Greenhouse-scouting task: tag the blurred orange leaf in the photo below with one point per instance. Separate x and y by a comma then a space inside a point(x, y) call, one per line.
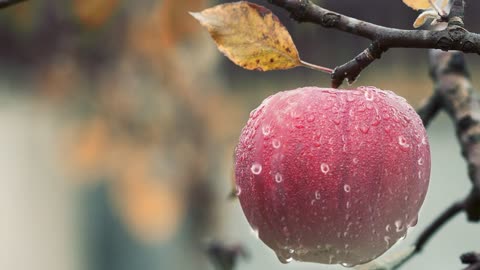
point(250, 35)
point(91, 146)
point(152, 208)
point(94, 13)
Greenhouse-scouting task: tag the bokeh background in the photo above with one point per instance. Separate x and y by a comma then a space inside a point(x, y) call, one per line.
point(118, 121)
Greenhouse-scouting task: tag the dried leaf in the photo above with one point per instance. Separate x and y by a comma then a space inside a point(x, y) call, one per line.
point(424, 16)
point(425, 4)
point(417, 4)
point(250, 35)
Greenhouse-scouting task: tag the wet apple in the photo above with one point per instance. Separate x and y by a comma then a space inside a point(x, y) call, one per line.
point(332, 176)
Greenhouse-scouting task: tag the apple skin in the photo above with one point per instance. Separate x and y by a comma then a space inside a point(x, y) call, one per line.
point(332, 176)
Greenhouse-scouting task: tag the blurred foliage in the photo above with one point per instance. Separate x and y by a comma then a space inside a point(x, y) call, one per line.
point(136, 84)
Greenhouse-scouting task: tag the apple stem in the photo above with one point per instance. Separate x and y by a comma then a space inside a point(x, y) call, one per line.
point(315, 67)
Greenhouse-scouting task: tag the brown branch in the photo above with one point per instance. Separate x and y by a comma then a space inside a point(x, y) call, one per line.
point(7, 3)
point(438, 223)
point(458, 98)
point(454, 37)
point(352, 69)
point(475, 266)
point(225, 257)
point(433, 228)
point(430, 109)
point(471, 258)
point(455, 94)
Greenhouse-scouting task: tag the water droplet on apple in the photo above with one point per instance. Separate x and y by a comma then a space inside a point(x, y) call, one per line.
point(330, 259)
point(368, 95)
point(387, 240)
point(399, 226)
point(376, 121)
point(403, 142)
point(413, 222)
point(256, 168)
point(255, 232)
point(283, 259)
point(278, 178)
point(424, 140)
point(294, 114)
point(276, 143)
point(299, 125)
point(420, 161)
point(266, 130)
point(364, 129)
point(350, 97)
point(325, 168)
point(348, 265)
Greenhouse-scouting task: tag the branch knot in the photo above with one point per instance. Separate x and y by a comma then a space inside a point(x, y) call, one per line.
point(330, 19)
point(445, 43)
point(457, 33)
point(298, 12)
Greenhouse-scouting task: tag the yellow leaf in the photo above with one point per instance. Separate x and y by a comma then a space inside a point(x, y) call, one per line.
point(417, 4)
point(424, 16)
point(250, 35)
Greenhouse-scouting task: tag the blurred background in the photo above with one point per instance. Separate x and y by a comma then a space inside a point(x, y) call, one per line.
point(118, 121)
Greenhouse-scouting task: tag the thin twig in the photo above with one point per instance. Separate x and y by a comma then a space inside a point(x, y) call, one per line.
point(454, 37)
point(430, 109)
point(7, 3)
point(430, 231)
point(470, 258)
point(475, 266)
point(438, 223)
point(225, 257)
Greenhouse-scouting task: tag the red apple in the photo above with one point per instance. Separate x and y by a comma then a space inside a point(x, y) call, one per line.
point(332, 176)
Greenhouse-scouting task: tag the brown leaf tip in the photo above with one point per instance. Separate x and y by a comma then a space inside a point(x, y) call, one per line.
point(262, 11)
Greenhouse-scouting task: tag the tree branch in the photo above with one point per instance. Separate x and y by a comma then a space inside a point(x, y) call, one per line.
point(455, 94)
point(430, 109)
point(430, 231)
point(225, 257)
point(441, 220)
point(454, 37)
point(458, 98)
point(7, 3)
point(471, 258)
